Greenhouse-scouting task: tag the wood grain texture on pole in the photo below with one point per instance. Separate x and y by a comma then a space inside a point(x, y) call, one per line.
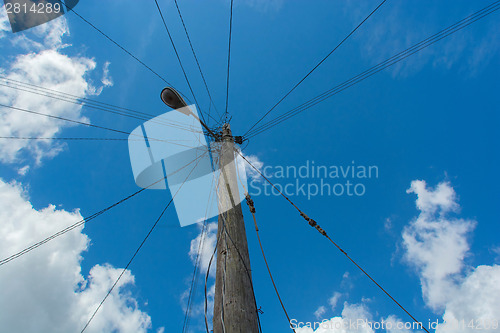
point(234, 304)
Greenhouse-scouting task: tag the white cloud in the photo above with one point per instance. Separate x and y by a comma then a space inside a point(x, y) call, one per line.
point(320, 312)
point(106, 78)
point(45, 286)
point(53, 33)
point(207, 239)
point(354, 318)
point(247, 170)
point(42, 63)
point(436, 246)
point(395, 325)
point(52, 70)
point(429, 201)
point(23, 171)
point(477, 298)
point(4, 23)
point(334, 300)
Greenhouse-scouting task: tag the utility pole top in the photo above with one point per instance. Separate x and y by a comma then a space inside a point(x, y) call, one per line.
point(227, 135)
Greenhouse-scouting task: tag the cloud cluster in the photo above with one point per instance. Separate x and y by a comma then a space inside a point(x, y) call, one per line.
point(436, 245)
point(41, 61)
point(44, 290)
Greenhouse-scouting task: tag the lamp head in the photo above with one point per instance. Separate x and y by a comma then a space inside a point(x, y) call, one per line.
point(172, 98)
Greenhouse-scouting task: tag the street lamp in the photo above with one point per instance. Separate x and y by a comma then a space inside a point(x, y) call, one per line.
point(173, 99)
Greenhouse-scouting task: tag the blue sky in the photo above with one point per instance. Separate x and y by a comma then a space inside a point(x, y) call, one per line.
point(429, 124)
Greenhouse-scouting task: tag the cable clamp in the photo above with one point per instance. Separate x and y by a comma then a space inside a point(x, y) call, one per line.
point(313, 223)
point(321, 231)
point(250, 203)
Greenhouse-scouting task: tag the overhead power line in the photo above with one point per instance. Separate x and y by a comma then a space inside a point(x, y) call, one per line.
point(90, 103)
point(206, 281)
point(127, 266)
point(251, 206)
point(179, 59)
point(229, 59)
point(69, 228)
point(84, 220)
point(140, 246)
point(224, 233)
point(88, 124)
point(196, 59)
point(64, 119)
point(315, 225)
point(194, 280)
point(116, 43)
point(381, 66)
point(62, 139)
point(315, 67)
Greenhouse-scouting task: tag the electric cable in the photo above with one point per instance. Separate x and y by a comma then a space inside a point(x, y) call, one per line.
point(88, 124)
point(116, 43)
point(50, 93)
point(247, 270)
point(315, 67)
point(62, 118)
point(209, 265)
point(314, 224)
point(377, 68)
point(229, 59)
point(196, 59)
point(84, 220)
point(126, 267)
point(192, 290)
point(251, 207)
point(221, 229)
point(62, 139)
point(206, 280)
point(179, 59)
point(138, 249)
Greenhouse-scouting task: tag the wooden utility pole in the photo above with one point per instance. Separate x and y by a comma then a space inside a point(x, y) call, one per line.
point(234, 304)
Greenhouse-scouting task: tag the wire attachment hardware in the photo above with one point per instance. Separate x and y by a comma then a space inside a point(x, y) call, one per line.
point(238, 140)
point(313, 223)
point(250, 203)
